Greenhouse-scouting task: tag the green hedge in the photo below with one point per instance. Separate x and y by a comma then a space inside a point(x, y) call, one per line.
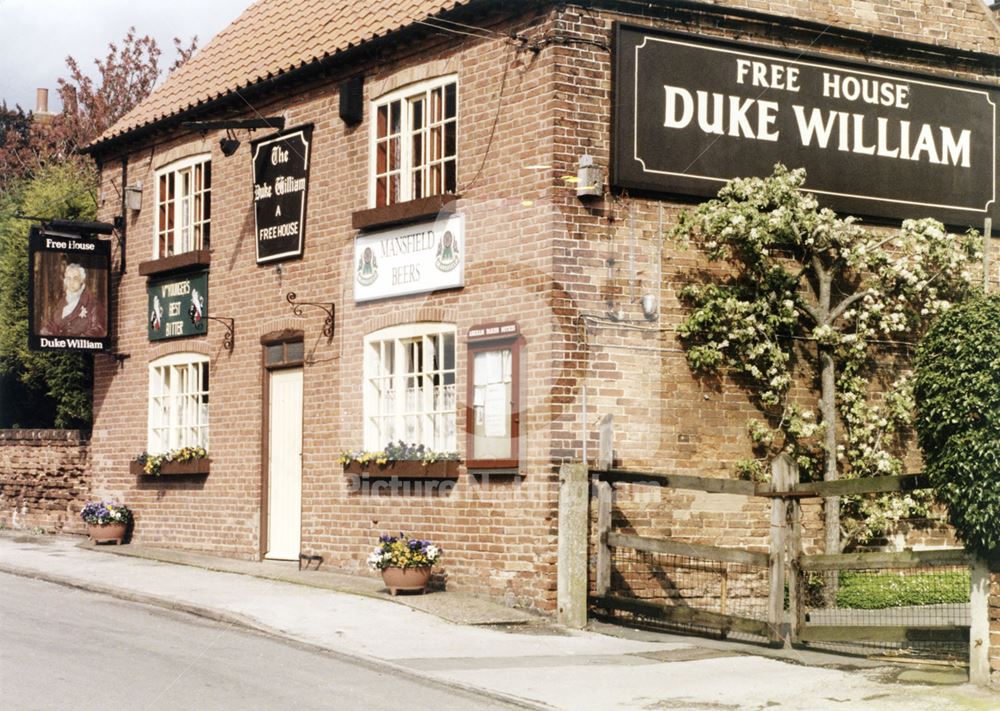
point(875, 591)
point(957, 388)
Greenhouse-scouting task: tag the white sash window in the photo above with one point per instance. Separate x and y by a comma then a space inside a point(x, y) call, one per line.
point(409, 391)
point(183, 207)
point(178, 402)
point(414, 142)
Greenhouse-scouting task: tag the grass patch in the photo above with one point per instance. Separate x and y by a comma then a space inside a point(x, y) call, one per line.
point(879, 590)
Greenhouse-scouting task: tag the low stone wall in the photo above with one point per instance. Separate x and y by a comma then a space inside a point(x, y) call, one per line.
point(44, 479)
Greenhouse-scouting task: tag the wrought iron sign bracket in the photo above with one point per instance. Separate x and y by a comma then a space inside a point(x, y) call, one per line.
point(119, 358)
point(119, 235)
point(329, 309)
point(229, 340)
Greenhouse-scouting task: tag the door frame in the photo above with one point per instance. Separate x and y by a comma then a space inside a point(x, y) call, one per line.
point(283, 338)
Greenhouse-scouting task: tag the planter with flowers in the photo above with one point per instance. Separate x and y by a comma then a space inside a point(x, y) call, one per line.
point(183, 461)
point(405, 461)
point(405, 562)
point(106, 521)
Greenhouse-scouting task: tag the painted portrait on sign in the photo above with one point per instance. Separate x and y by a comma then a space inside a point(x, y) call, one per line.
point(70, 294)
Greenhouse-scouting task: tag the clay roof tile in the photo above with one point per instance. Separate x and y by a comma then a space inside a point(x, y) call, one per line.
point(270, 38)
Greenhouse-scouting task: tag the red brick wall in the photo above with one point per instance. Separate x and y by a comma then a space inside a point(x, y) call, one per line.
point(499, 536)
point(616, 249)
point(535, 254)
point(962, 24)
point(44, 479)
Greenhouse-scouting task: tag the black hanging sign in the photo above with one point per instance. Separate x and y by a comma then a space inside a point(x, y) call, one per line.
point(69, 286)
point(280, 185)
point(691, 113)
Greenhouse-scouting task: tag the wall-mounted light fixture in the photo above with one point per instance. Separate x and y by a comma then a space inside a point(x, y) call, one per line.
point(589, 178)
point(133, 196)
point(650, 308)
point(229, 144)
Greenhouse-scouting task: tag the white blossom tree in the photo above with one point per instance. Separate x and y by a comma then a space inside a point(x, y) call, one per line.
point(806, 285)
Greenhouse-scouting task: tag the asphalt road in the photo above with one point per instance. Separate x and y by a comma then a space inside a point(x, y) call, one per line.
point(62, 648)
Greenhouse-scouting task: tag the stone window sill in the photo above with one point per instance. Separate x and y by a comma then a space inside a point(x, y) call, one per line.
point(404, 212)
point(199, 258)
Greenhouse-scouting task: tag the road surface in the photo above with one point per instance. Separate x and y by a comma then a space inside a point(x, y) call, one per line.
point(62, 648)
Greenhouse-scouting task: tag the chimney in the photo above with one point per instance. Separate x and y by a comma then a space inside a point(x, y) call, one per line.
point(41, 101)
point(42, 104)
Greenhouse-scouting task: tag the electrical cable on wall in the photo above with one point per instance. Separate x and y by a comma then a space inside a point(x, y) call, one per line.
point(493, 129)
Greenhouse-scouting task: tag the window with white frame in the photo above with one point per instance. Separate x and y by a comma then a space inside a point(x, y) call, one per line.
point(414, 142)
point(409, 390)
point(178, 402)
point(183, 207)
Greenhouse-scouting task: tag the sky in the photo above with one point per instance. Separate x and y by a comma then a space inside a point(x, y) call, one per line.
point(38, 35)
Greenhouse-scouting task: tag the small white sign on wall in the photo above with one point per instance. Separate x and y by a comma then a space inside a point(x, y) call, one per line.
point(410, 260)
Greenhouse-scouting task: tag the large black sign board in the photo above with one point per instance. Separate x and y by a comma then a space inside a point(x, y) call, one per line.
point(69, 286)
point(177, 306)
point(691, 113)
point(280, 184)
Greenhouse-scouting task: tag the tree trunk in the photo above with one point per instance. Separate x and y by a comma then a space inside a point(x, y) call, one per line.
point(828, 408)
point(831, 504)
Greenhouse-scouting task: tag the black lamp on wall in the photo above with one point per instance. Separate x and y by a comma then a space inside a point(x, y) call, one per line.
point(229, 144)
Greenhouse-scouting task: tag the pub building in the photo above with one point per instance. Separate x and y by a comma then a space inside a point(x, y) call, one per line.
point(443, 223)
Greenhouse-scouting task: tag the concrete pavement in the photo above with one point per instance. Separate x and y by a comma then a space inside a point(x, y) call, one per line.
point(511, 656)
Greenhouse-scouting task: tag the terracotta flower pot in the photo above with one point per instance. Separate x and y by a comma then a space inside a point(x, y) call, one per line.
point(408, 580)
point(104, 532)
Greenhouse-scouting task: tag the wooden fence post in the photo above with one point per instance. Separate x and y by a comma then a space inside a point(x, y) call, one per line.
point(603, 573)
point(606, 451)
point(783, 474)
point(796, 583)
point(574, 522)
point(979, 629)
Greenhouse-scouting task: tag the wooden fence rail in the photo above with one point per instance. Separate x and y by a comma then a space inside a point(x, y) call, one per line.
point(879, 561)
point(808, 489)
point(884, 634)
point(851, 487)
point(689, 550)
point(680, 614)
point(710, 484)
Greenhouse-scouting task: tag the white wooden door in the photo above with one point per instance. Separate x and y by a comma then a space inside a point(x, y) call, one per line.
point(284, 467)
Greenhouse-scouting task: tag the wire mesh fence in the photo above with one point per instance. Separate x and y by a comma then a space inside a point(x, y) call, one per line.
point(692, 583)
point(919, 612)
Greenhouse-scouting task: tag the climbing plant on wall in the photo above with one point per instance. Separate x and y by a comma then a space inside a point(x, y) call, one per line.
point(803, 293)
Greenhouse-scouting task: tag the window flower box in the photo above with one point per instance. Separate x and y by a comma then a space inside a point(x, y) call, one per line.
point(401, 460)
point(188, 468)
point(187, 461)
point(404, 469)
